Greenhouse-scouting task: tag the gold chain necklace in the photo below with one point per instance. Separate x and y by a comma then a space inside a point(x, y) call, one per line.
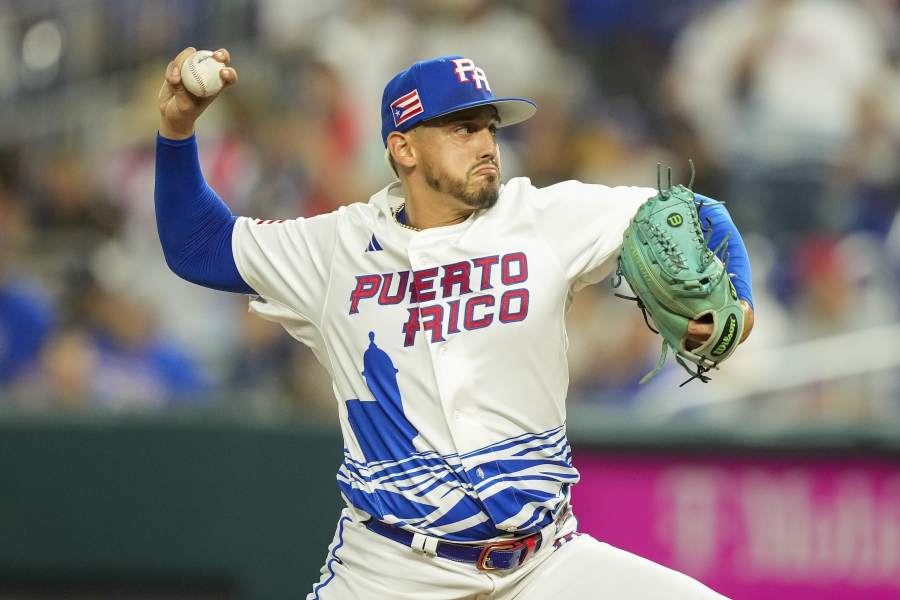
point(396, 212)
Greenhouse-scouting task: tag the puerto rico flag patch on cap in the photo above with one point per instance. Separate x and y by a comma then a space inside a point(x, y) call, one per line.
point(406, 107)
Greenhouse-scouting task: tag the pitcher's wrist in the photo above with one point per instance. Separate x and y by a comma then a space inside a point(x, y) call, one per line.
point(169, 132)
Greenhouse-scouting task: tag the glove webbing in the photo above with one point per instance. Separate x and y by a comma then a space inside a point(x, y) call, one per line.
point(701, 370)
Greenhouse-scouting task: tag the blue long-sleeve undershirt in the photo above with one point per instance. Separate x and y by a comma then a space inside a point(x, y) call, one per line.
point(735, 254)
point(195, 226)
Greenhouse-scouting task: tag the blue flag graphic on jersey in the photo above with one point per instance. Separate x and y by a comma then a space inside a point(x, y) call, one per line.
point(380, 426)
point(521, 481)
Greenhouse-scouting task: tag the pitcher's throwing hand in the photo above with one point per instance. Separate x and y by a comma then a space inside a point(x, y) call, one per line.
point(178, 108)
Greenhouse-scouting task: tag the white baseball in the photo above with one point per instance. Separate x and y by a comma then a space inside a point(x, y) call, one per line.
point(200, 74)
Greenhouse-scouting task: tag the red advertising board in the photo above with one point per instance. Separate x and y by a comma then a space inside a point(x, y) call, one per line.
point(798, 529)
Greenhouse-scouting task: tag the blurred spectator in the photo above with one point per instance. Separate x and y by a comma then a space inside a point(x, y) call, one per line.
point(111, 357)
point(610, 347)
point(845, 287)
point(272, 373)
point(136, 368)
point(25, 321)
point(377, 40)
point(508, 43)
point(66, 378)
point(784, 98)
point(73, 215)
point(608, 34)
point(548, 145)
point(332, 142)
point(26, 317)
point(259, 371)
point(841, 285)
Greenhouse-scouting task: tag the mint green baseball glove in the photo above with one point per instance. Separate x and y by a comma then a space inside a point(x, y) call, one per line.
point(677, 278)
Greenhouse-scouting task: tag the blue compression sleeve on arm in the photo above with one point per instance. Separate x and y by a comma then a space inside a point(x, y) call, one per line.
point(738, 262)
point(194, 225)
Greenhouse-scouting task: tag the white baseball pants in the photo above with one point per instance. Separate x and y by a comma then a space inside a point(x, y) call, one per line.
point(363, 565)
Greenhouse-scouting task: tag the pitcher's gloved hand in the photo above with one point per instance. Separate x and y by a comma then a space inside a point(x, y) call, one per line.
point(680, 283)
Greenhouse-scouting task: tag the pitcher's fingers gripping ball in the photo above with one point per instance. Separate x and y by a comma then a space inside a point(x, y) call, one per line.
point(201, 74)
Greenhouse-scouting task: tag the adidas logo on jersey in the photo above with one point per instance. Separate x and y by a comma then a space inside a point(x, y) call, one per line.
point(374, 245)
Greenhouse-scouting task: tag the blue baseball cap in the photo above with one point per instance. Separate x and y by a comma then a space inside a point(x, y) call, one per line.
point(436, 87)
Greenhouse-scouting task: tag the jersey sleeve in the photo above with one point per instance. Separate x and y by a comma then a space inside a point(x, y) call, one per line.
point(584, 225)
point(288, 262)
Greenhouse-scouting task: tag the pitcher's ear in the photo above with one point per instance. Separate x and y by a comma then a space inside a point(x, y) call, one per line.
point(400, 150)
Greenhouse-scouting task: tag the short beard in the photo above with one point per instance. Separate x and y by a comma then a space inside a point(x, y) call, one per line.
point(483, 199)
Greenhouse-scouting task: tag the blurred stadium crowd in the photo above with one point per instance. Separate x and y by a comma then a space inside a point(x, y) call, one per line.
point(789, 108)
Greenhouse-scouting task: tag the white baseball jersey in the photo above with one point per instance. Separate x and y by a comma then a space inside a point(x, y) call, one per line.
point(447, 347)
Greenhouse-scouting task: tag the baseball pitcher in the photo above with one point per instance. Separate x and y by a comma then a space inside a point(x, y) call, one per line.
point(437, 307)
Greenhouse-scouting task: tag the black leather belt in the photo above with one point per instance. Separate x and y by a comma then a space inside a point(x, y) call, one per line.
point(494, 556)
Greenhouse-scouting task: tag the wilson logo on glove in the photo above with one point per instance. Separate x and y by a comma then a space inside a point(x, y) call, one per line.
point(727, 338)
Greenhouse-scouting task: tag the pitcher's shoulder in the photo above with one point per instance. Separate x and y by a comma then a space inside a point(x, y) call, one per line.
point(520, 191)
point(516, 186)
point(522, 186)
point(353, 214)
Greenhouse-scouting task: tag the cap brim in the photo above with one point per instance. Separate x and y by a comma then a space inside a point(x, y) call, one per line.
point(510, 110)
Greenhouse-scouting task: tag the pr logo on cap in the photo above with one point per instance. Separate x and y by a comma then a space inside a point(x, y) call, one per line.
point(464, 66)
